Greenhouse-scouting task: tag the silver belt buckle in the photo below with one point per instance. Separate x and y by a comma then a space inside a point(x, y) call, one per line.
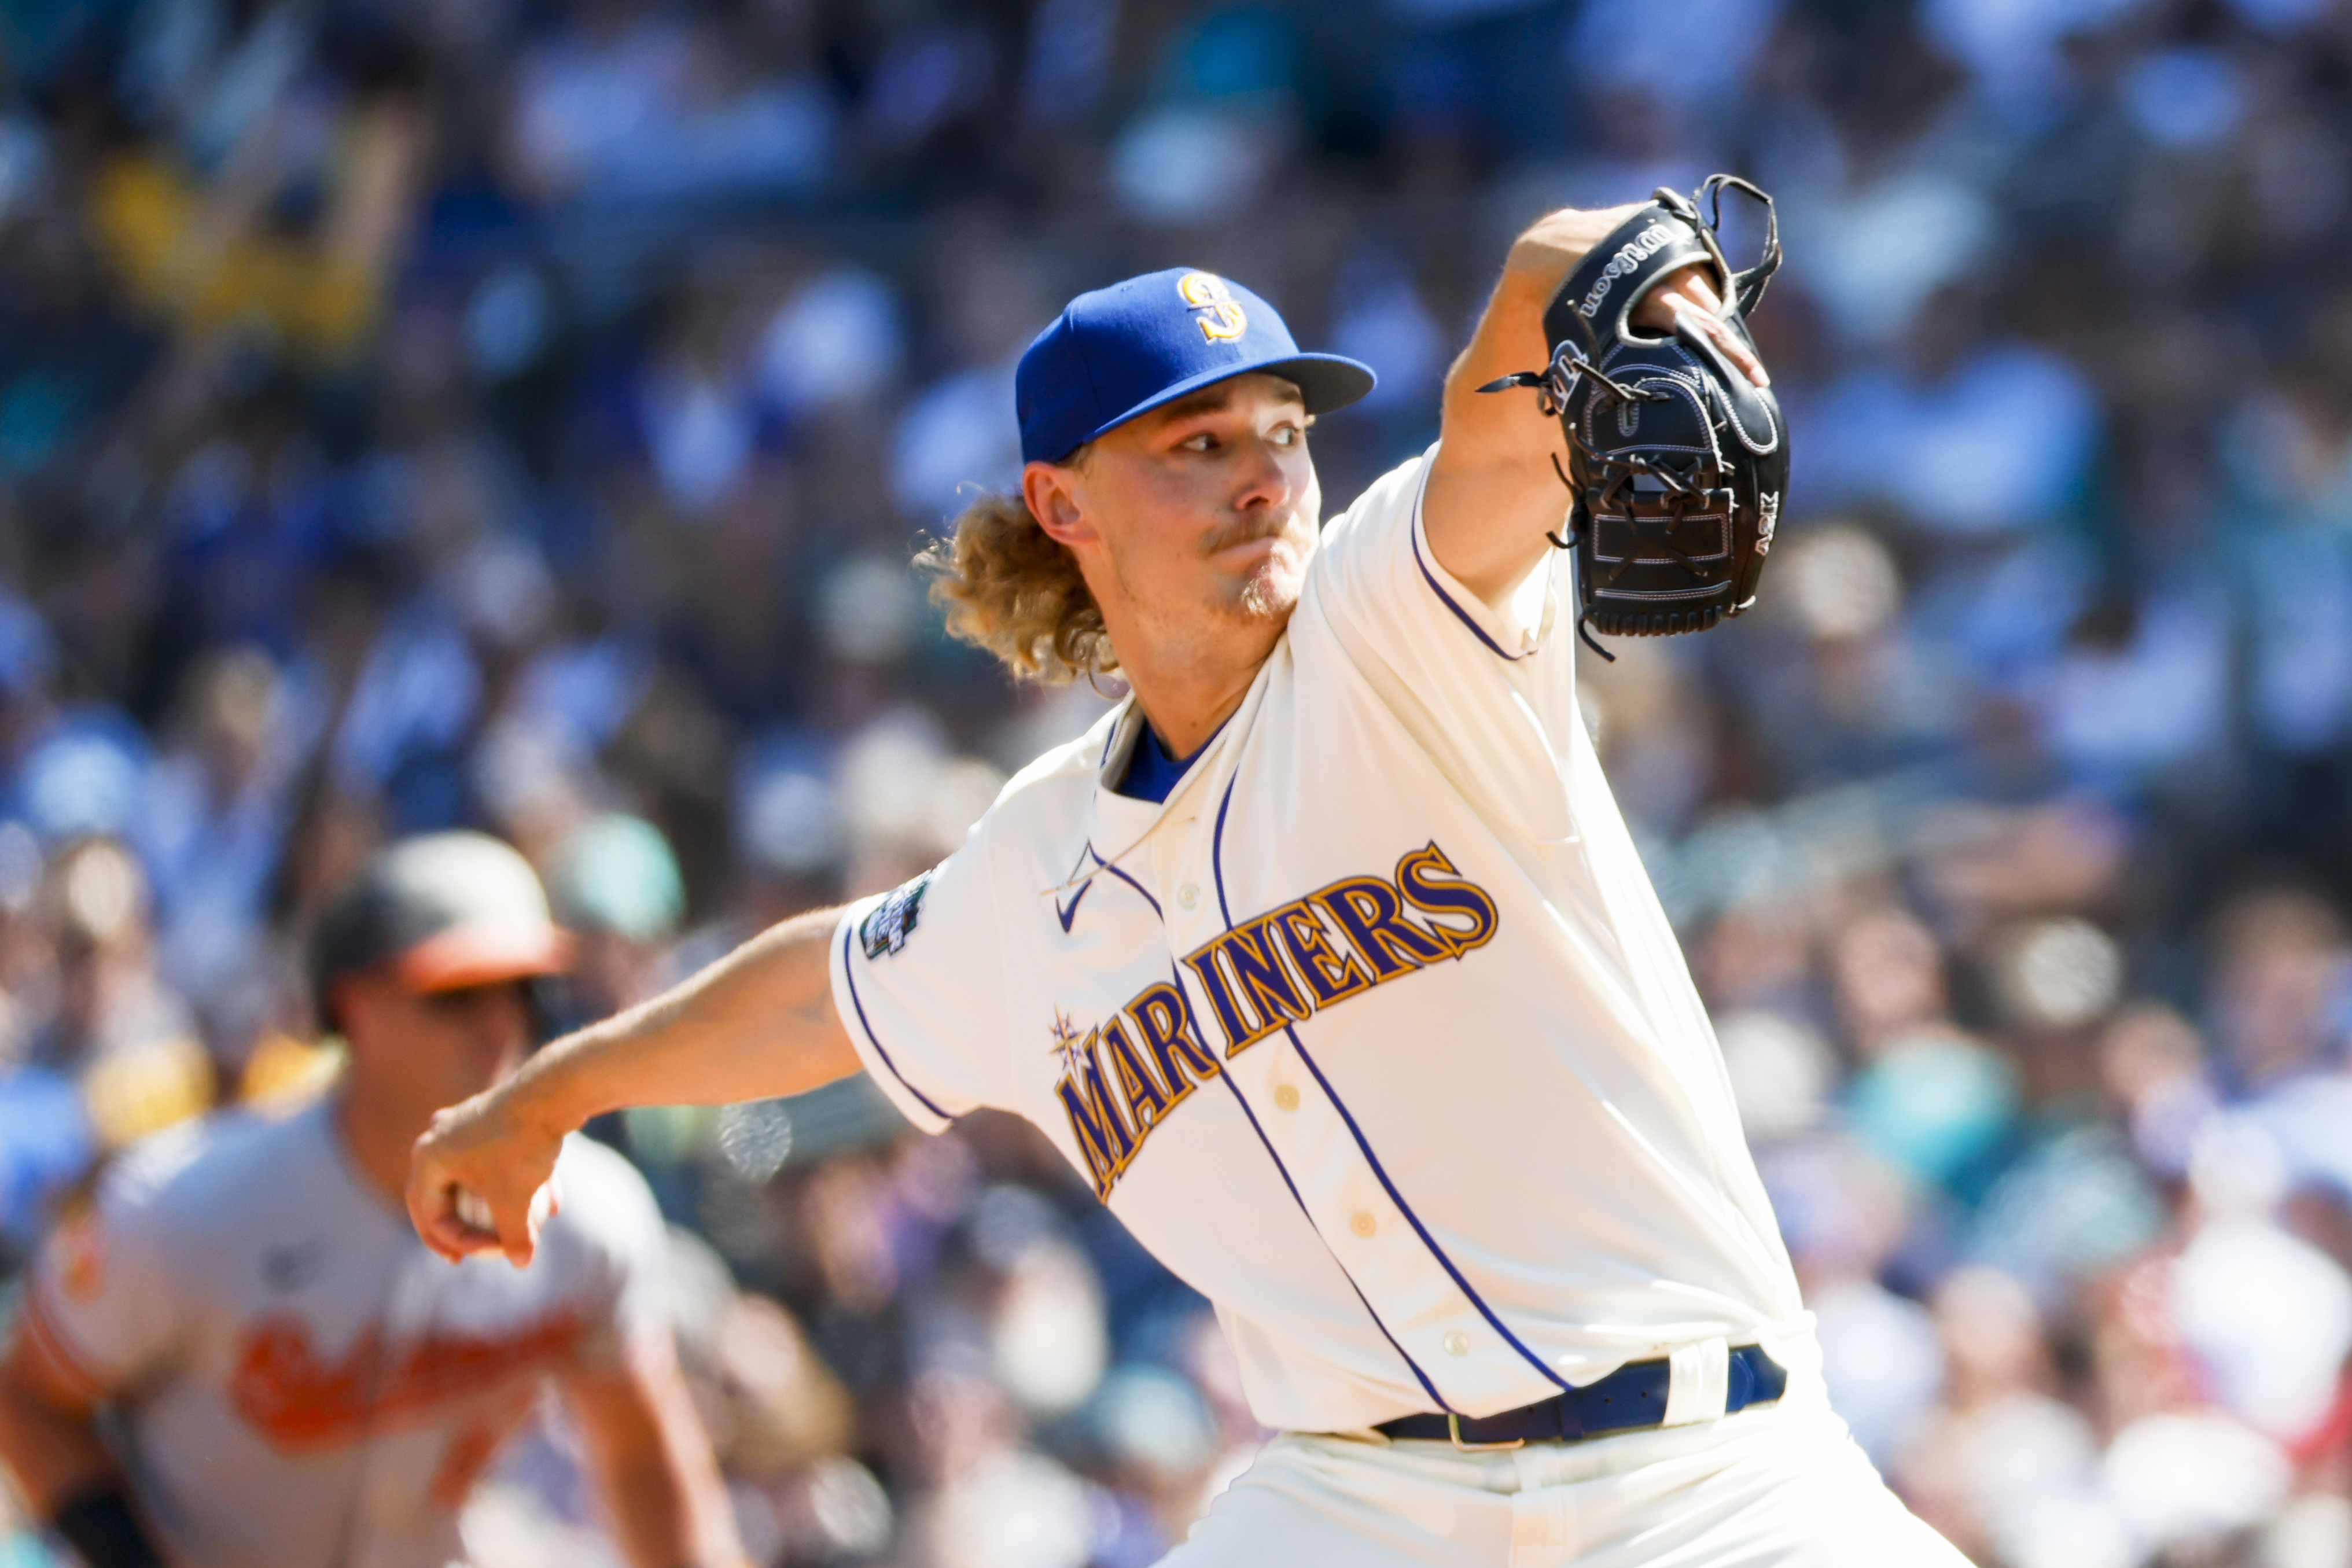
point(1453, 1430)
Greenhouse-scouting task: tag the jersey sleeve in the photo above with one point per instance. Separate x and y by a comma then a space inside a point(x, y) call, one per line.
point(1489, 692)
point(1375, 569)
point(919, 978)
point(104, 1299)
point(628, 1246)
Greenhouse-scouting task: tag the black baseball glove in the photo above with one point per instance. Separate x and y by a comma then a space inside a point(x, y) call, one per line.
point(1677, 461)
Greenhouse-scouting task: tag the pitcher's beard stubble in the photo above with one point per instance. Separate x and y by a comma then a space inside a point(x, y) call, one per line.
point(1270, 591)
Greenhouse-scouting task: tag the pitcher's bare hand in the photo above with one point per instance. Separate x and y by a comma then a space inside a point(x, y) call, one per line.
point(1688, 298)
point(482, 1179)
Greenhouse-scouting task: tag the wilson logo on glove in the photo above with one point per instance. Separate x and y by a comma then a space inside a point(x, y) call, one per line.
point(1629, 254)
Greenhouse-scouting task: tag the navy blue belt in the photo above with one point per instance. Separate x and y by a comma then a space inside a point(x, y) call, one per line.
point(1632, 1396)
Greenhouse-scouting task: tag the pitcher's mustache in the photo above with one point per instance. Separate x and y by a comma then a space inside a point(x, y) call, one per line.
point(1248, 530)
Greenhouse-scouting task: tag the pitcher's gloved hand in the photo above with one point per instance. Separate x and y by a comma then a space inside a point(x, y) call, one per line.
point(1678, 458)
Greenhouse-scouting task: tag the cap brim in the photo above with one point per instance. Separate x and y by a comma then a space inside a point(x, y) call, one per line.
point(1324, 382)
point(465, 956)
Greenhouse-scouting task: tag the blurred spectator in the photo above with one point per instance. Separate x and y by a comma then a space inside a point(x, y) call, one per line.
point(616, 887)
point(1928, 1098)
point(2008, 1471)
point(212, 826)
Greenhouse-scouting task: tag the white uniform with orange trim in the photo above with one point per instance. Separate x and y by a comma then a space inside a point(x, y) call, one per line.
point(298, 1383)
point(1375, 1034)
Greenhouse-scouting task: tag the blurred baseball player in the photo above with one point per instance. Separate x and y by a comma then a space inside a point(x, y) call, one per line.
point(1327, 959)
point(240, 1357)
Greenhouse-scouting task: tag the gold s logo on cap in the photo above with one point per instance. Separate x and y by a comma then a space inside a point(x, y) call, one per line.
point(1224, 319)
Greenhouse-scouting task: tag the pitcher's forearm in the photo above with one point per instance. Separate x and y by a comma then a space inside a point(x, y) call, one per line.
point(1509, 337)
point(757, 1024)
point(1494, 490)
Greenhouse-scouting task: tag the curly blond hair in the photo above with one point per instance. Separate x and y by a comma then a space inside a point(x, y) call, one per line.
point(1009, 589)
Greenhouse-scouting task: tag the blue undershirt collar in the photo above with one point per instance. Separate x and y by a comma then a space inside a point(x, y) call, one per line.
point(1151, 773)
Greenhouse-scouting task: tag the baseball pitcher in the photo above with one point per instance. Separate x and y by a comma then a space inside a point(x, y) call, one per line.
point(1326, 956)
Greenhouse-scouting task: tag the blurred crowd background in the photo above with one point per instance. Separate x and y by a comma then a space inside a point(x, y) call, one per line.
point(522, 414)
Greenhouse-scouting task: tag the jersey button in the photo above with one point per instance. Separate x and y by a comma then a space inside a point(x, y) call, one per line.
point(1188, 895)
point(1286, 1097)
point(1362, 1224)
point(1457, 1343)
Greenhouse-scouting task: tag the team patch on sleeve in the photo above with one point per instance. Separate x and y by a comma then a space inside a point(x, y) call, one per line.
point(889, 924)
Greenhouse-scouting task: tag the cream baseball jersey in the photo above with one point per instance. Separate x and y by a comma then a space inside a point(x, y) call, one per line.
point(297, 1382)
point(1374, 1032)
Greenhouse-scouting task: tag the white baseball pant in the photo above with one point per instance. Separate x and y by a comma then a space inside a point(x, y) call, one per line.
point(1780, 1486)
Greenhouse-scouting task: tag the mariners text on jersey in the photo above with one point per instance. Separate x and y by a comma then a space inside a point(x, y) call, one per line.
point(1259, 978)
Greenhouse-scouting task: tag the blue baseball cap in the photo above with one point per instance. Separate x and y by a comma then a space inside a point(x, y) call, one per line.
point(1123, 351)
